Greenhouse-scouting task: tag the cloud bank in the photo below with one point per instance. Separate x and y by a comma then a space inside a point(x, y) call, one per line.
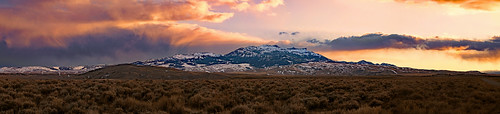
point(481, 50)
point(72, 32)
point(118, 45)
point(470, 4)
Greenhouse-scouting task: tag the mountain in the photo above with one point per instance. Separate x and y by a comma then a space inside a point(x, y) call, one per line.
point(129, 71)
point(49, 70)
point(256, 56)
point(269, 59)
point(264, 59)
point(274, 60)
point(363, 62)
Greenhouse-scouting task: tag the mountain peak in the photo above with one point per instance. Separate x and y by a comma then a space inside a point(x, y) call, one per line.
point(252, 51)
point(256, 56)
point(252, 56)
point(273, 55)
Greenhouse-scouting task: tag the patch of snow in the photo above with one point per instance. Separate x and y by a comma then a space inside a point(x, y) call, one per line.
point(195, 55)
point(187, 66)
point(222, 68)
point(78, 68)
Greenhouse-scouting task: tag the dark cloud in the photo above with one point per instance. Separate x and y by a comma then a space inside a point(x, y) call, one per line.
point(495, 39)
point(371, 41)
point(74, 32)
point(39, 23)
point(487, 50)
point(118, 45)
point(490, 55)
point(287, 33)
point(465, 44)
point(122, 46)
point(283, 33)
point(491, 72)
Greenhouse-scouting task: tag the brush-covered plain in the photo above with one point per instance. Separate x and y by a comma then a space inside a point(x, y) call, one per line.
point(295, 95)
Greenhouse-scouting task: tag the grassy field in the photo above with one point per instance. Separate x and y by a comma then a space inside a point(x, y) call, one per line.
point(295, 95)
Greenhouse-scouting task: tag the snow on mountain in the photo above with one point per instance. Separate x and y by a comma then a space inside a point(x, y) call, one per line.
point(195, 56)
point(272, 59)
point(263, 49)
point(265, 58)
point(180, 60)
point(49, 70)
point(255, 56)
point(273, 55)
point(27, 69)
point(222, 68)
point(335, 69)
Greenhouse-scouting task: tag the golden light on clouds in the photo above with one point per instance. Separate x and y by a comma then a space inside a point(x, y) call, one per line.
point(74, 27)
point(469, 4)
point(178, 34)
point(424, 59)
point(39, 23)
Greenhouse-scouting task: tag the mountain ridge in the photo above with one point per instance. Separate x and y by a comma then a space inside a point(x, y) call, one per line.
point(264, 59)
point(257, 56)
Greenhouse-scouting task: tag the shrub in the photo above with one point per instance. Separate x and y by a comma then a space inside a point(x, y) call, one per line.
point(174, 104)
point(261, 108)
point(214, 108)
point(375, 103)
point(293, 95)
point(241, 109)
point(350, 105)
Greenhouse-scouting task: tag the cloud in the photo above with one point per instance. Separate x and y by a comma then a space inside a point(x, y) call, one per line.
point(480, 50)
point(491, 72)
point(470, 4)
point(266, 4)
point(26, 21)
point(137, 42)
point(243, 5)
point(48, 32)
point(495, 39)
point(371, 41)
point(22, 22)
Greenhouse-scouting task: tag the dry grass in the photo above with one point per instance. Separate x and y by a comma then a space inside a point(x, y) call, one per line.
point(358, 95)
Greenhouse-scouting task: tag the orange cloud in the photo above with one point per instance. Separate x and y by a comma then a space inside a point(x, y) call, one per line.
point(482, 56)
point(470, 4)
point(416, 58)
point(39, 23)
point(266, 4)
point(486, 50)
point(56, 32)
point(180, 34)
point(127, 43)
point(243, 5)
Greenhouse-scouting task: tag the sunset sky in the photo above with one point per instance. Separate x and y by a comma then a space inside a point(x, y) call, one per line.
point(429, 34)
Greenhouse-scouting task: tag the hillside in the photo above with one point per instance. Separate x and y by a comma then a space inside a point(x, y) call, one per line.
point(128, 71)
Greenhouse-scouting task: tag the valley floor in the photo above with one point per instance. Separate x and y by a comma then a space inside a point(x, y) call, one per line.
point(275, 94)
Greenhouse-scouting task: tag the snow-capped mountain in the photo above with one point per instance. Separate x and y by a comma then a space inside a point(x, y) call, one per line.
point(273, 55)
point(256, 56)
point(49, 70)
point(255, 59)
point(269, 59)
point(335, 69)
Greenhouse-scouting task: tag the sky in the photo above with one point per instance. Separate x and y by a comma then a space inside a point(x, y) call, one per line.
point(458, 35)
